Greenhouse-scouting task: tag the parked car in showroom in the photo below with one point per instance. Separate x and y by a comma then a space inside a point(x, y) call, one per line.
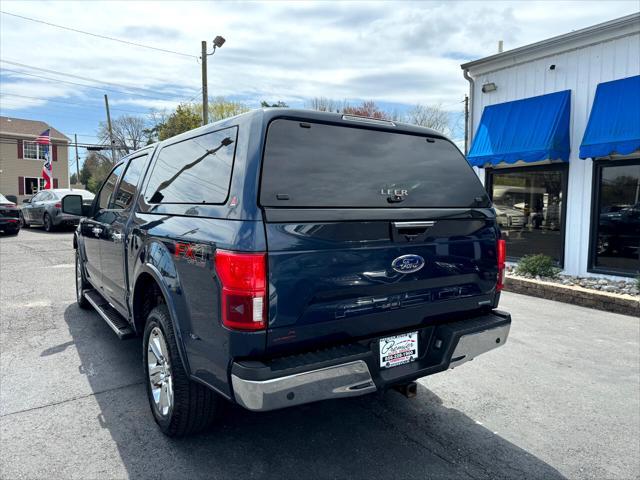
point(510, 217)
point(45, 208)
point(9, 216)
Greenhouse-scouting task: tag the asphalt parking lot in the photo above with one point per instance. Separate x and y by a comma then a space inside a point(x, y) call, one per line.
point(560, 400)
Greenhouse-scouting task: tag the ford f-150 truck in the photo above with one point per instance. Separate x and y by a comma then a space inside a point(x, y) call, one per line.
point(284, 256)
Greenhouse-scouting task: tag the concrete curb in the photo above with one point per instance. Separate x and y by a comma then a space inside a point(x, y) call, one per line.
point(609, 302)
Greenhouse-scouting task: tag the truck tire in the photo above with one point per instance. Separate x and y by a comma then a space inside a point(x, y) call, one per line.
point(81, 283)
point(179, 406)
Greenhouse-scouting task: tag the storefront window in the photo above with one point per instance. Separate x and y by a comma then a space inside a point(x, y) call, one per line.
point(617, 222)
point(529, 207)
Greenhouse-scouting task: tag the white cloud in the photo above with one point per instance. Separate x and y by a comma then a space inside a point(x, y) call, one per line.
point(405, 52)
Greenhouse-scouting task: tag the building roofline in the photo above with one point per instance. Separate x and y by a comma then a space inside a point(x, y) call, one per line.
point(26, 135)
point(611, 26)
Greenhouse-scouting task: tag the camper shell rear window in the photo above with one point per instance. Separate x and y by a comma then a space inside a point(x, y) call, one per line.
point(308, 164)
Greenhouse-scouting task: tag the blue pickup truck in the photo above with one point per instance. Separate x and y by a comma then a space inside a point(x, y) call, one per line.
point(284, 256)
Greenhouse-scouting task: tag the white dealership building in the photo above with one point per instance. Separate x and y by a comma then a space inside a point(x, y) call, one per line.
point(554, 131)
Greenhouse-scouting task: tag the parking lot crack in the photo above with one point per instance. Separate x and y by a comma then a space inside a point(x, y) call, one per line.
point(73, 399)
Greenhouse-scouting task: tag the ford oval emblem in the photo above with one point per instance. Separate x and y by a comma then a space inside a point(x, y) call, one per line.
point(408, 263)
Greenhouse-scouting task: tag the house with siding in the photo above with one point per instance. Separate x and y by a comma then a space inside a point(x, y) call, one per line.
point(21, 159)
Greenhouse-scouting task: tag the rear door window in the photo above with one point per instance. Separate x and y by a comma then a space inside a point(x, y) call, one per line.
point(196, 170)
point(318, 165)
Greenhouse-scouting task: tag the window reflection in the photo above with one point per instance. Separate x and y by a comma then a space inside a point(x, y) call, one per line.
point(108, 187)
point(528, 206)
point(127, 188)
point(197, 170)
point(618, 230)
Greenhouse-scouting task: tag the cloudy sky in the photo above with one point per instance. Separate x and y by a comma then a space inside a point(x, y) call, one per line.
point(397, 53)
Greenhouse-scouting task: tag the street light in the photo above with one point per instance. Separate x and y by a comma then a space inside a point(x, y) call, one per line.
point(217, 43)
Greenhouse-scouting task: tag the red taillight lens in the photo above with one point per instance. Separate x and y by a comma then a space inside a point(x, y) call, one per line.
point(58, 205)
point(244, 289)
point(501, 253)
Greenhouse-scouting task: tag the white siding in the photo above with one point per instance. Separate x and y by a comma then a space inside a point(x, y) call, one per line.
point(579, 70)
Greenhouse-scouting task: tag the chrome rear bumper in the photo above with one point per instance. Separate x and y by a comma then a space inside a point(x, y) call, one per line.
point(474, 344)
point(350, 371)
point(346, 380)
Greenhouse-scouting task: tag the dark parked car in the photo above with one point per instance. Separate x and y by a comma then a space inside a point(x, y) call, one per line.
point(283, 256)
point(45, 208)
point(9, 217)
point(620, 231)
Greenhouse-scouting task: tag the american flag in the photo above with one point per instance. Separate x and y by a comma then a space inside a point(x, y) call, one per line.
point(44, 141)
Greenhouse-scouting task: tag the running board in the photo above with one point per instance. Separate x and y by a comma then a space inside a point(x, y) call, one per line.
point(109, 314)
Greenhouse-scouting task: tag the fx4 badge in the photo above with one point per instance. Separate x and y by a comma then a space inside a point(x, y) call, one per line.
point(193, 253)
point(408, 263)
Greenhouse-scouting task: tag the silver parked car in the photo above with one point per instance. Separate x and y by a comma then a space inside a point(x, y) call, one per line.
point(45, 208)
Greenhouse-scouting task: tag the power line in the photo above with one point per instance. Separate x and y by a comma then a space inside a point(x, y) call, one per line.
point(105, 37)
point(55, 72)
point(87, 86)
point(71, 103)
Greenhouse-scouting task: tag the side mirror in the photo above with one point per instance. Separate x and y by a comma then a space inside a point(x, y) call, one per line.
point(26, 200)
point(72, 204)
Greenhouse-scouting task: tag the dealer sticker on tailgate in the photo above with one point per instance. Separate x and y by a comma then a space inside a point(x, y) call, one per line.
point(398, 349)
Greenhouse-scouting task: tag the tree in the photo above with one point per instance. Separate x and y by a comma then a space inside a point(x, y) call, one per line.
point(430, 116)
point(278, 104)
point(324, 104)
point(221, 108)
point(94, 170)
point(73, 179)
point(184, 118)
point(188, 116)
point(368, 108)
point(130, 132)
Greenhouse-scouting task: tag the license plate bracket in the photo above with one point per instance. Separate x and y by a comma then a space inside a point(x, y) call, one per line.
point(398, 349)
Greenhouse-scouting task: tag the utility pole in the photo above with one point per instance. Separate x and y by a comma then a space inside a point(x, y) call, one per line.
point(466, 124)
point(113, 146)
point(75, 137)
point(205, 93)
point(217, 43)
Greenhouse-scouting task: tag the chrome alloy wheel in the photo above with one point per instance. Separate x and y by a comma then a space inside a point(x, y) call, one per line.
point(159, 370)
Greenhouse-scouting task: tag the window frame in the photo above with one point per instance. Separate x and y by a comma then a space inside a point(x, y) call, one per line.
point(40, 185)
point(598, 165)
point(563, 168)
point(37, 145)
point(158, 153)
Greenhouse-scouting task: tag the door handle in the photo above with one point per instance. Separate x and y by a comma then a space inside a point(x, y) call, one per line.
point(96, 231)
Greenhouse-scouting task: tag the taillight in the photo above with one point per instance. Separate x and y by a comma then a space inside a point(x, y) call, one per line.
point(58, 205)
point(244, 289)
point(501, 253)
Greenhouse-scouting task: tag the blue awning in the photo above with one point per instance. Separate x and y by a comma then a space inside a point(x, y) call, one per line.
point(614, 123)
point(528, 130)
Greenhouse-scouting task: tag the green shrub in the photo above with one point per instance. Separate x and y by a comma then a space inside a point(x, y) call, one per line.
point(537, 265)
